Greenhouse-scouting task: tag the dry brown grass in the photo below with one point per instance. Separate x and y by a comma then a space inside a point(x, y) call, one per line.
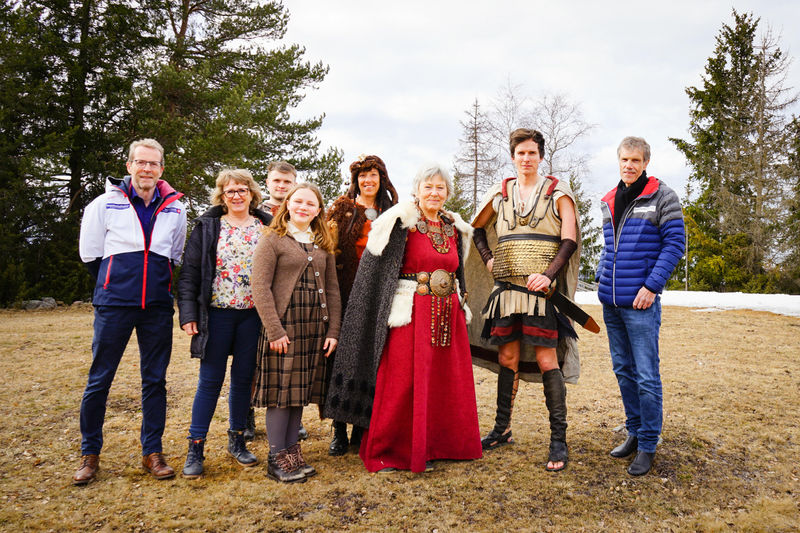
point(729, 460)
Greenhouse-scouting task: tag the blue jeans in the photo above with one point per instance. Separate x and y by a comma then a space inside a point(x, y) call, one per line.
point(230, 331)
point(112, 330)
point(633, 341)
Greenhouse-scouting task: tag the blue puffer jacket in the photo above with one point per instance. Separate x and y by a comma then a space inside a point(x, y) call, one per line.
point(649, 242)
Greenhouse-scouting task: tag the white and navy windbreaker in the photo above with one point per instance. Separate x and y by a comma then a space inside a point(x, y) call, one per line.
point(131, 273)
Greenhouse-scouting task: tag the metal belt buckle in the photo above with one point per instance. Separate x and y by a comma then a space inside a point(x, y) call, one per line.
point(441, 283)
point(422, 283)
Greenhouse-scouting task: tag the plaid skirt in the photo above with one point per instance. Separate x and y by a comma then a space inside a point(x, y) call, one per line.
point(296, 378)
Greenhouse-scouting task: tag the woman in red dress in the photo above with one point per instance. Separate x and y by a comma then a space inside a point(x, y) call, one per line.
point(412, 385)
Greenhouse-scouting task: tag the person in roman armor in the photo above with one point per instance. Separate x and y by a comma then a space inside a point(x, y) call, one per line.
point(350, 218)
point(526, 234)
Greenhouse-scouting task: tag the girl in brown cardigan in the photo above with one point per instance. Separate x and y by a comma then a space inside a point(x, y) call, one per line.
point(297, 297)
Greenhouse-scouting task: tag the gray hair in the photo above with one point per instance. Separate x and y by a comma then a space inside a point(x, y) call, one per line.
point(635, 143)
point(147, 143)
point(427, 172)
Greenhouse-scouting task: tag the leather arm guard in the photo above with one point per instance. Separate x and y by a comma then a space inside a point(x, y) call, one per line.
point(565, 250)
point(482, 245)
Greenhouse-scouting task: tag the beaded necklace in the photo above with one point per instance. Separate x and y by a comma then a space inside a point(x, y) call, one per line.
point(438, 233)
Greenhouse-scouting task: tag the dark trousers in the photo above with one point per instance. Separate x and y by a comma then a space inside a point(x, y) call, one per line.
point(230, 331)
point(112, 330)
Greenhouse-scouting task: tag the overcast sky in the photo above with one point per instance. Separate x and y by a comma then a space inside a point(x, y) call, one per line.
point(402, 76)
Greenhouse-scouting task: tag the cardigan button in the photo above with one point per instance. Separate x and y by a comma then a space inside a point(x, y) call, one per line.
point(310, 258)
point(325, 318)
point(323, 306)
point(320, 291)
point(316, 273)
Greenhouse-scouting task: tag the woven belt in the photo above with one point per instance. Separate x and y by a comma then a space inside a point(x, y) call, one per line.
point(438, 283)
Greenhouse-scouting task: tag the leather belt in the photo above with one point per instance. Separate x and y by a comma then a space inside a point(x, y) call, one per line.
point(438, 283)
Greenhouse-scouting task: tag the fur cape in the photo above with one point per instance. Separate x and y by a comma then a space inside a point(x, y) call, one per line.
point(378, 302)
point(346, 218)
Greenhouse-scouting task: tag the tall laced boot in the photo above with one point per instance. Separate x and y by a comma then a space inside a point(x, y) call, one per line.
point(250, 426)
point(507, 383)
point(339, 443)
point(356, 435)
point(297, 457)
point(238, 449)
point(281, 467)
point(555, 397)
point(193, 467)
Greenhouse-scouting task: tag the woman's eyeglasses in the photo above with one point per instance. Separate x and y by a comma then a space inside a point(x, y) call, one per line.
point(231, 193)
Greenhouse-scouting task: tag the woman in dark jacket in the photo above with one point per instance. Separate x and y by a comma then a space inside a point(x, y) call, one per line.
point(216, 308)
point(350, 217)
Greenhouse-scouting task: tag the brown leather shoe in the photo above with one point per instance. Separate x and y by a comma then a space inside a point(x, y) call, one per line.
point(156, 465)
point(87, 470)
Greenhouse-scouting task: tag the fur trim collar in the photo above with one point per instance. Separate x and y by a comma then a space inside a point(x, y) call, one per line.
point(408, 215)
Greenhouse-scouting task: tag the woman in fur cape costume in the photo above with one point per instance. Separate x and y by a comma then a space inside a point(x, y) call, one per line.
point(388, 322)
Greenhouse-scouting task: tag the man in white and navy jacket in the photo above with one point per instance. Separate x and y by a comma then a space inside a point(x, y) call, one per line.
point(644, 239)
point(131, 236)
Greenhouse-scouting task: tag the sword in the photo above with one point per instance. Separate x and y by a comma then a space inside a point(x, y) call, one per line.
point(564, 304)
point(571, 309)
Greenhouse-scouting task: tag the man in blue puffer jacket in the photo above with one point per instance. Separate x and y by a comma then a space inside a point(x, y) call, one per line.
point(644, 239)
point(130, 238)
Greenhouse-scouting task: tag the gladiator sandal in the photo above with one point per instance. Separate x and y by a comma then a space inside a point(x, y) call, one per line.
point(555, 397)
point(507, 383)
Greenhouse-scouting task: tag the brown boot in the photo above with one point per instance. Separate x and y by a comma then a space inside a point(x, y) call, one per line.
point(281, 467)
point(297, 457)
point(156, 465)
point(85, 473)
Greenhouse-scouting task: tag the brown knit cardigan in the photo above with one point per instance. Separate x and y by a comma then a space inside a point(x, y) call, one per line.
point(278, 263)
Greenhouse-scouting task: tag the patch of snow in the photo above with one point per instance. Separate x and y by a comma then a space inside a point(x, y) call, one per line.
point(782, 304)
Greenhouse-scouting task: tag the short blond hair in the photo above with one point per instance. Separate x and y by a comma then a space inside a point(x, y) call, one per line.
point(237, 175)
point(147, 143)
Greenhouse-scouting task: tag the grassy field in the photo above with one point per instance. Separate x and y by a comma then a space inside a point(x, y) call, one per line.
point(729, 460)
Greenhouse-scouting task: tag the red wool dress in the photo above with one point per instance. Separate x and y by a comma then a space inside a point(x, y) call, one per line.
point(424, 406)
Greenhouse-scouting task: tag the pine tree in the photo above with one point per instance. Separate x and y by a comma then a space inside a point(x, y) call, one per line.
point(740, 135)
point(224, 93)
point(81, 79)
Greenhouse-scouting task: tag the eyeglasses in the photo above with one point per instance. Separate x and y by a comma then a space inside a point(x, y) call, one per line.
point(231, 193)
point(145, 164)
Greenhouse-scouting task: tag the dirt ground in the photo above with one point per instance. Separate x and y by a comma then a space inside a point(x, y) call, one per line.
point(728, 462)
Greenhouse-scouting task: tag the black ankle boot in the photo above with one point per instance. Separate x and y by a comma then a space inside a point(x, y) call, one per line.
point(339, 443)
point(626, 448)
point(641, 464)
point(250, 427)
point(505, 403)
point(193, 467)
point(555, 397)
point(238, 449)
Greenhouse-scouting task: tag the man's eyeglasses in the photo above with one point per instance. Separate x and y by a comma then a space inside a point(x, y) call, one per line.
point(141, 163)
point(231, 193)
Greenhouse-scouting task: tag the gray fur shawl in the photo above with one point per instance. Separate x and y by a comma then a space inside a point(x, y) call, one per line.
point(364, 329)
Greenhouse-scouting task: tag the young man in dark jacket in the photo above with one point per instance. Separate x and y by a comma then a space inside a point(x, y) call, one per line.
point(644, 239)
